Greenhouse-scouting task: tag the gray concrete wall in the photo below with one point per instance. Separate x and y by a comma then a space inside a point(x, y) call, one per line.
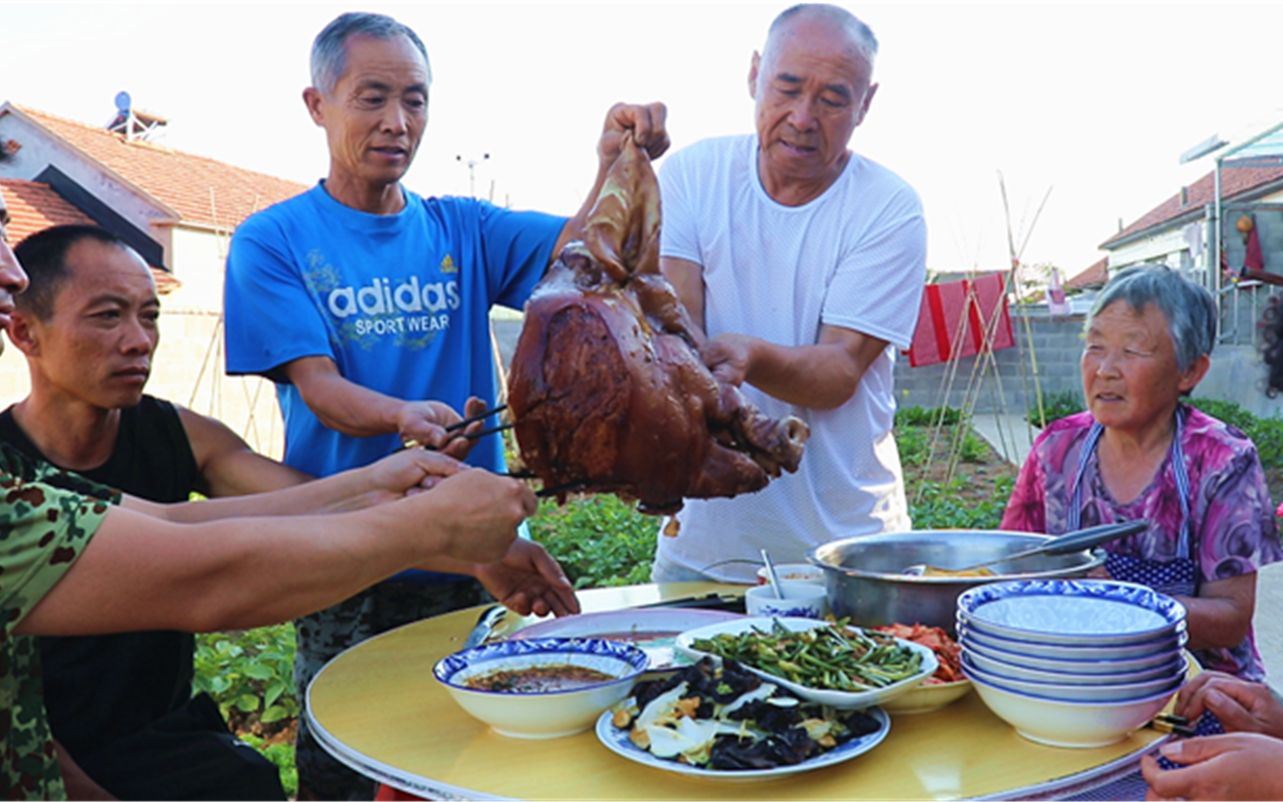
point(1236, 374)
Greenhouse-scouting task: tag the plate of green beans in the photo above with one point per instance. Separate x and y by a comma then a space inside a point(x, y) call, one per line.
point(829, 663)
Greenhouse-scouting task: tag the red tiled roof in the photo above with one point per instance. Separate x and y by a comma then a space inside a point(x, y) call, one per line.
point(202, 191)
point(34, 206)
point(1094, 276)
point(1234, 181)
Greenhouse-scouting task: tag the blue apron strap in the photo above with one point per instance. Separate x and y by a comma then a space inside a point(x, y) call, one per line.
point(1178, 576)
point(1182, 486)
point(1084, 456)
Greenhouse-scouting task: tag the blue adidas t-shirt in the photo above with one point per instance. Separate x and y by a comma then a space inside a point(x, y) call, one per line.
point(399, 302)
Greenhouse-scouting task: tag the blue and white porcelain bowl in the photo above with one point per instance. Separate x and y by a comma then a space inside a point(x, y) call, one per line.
point(1068, 692)
point(541, 705)
point(1072, 611)
point(1004, 670)
point(1067, 666)
point(1167, 644)
point(1080, 725)
point(801, 600)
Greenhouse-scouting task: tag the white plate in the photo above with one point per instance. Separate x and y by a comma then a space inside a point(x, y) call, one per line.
point(653, 630)
point(846, 700)
point(1026, 639)
point(616, 740)
point(1071, 666)
point(1069, 692)
point(1071, 610)
point(1006, 670)
point(1168, 644)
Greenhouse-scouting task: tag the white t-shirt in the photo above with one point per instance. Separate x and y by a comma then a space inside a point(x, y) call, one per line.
point(854, 257)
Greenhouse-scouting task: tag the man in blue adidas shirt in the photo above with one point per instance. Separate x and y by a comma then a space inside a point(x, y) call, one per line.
point(368, 305)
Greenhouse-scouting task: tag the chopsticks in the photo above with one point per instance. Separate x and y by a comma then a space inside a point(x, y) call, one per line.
point(1177, 725)
point(457, 427)
point(492, 430)
point(454, 427)
point(557, 490)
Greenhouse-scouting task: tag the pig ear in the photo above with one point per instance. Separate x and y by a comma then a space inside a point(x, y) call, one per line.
point(622, 232)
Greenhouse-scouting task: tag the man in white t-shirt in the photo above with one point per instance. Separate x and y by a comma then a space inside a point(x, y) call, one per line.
point(804, 264)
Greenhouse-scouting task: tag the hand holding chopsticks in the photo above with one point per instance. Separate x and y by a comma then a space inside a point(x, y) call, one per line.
point(463, 424)
point(459, 431)
point(420, 427)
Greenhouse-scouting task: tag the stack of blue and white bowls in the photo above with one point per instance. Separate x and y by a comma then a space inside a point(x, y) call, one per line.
point(1067, 662)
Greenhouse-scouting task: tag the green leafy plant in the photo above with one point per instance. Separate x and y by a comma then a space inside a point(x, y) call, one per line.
point(1229, 412)
point(1057, 405)
point(914, 443)
point(599, 540)
point(946, 507)
point(1265, 433)
point(927, 416)
point(913, 429)
point(249, 674)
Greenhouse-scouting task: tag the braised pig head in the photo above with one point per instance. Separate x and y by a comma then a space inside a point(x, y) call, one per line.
point(608, 391)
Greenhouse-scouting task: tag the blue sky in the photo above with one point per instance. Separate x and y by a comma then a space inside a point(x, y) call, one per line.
point(1094, 101)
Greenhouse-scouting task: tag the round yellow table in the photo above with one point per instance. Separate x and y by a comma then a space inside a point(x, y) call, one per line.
point(377, 708)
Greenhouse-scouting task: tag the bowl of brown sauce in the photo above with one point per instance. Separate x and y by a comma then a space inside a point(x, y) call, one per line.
point(541, 687)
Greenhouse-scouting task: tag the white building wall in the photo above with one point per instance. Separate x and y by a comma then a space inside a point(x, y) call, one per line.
point(200, 256)
point(189, 366)
point(40, 149)
point(1166, 247)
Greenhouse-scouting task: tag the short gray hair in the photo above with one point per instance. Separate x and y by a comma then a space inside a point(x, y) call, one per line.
point(861, 34)
point(329, 49)
point(1189, 308)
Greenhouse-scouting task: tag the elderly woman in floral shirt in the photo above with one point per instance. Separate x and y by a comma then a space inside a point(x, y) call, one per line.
point(1139, 453)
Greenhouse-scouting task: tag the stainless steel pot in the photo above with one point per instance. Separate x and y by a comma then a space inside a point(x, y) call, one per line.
point(866, 581)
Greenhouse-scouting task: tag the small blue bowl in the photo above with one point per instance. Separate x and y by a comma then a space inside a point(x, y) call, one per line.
point(541, 709)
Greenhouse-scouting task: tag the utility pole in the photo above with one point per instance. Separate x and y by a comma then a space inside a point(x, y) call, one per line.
point(471, 164)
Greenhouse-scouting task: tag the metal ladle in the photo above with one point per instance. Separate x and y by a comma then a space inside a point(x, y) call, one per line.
point(1064, 544)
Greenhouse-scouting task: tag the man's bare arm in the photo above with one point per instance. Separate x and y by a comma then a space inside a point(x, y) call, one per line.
point(820, 376)
point(347, 407)
point(387, 479)
point(140, 572)
point(646, 122)
point(687, 279)
point(227, 465)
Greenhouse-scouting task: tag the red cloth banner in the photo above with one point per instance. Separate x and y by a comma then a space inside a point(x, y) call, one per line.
point(942, 333)
point(1253, 258)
